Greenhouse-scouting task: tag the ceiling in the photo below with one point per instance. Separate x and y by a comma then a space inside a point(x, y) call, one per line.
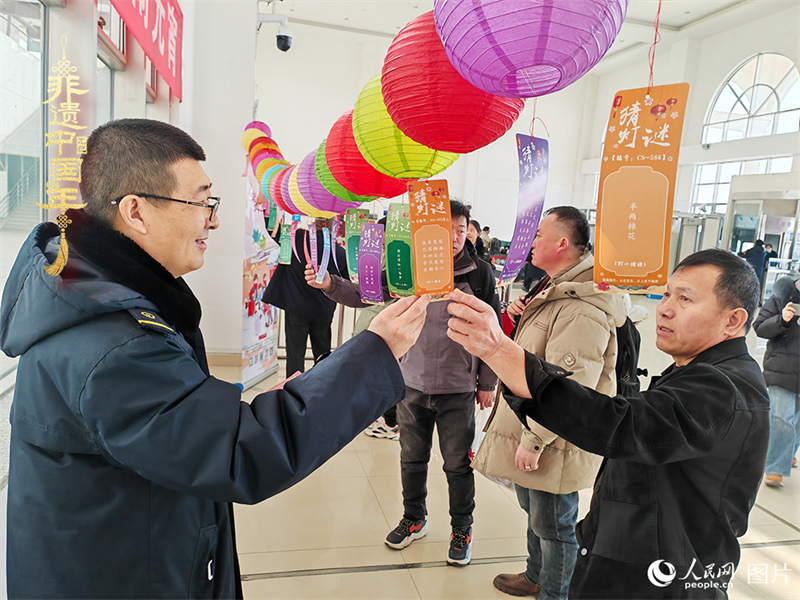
point(678, 19)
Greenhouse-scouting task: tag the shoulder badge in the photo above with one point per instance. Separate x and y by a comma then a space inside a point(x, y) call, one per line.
point(150, 320)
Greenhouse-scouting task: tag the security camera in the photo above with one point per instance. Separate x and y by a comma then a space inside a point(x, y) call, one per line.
point(284, 38)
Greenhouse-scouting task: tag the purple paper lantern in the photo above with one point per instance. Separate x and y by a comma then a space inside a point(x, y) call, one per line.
point(526, 48)
point(314, 192)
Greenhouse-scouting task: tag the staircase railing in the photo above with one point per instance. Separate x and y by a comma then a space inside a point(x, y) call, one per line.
point(26, 188)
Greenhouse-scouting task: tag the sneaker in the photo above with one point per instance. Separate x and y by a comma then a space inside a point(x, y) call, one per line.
point(794, 462)
point(774, 480)
point(383, 431)
point(406, 532)
point(379, 422)
point(460, 552)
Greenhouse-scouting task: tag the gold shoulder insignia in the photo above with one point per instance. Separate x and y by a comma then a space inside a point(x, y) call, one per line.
point(150, 320)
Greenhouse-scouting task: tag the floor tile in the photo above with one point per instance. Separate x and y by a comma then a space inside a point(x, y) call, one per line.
point(472, 581)
point(772, 572)
point(382, 584)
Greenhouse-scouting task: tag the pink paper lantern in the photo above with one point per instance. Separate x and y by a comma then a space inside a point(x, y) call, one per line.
point(526, 48)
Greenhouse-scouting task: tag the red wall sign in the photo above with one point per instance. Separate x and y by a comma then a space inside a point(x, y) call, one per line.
point(158, 27)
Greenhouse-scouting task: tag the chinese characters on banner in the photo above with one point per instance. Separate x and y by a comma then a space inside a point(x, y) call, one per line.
point(158, 27)
point(354, 218)
point(399, 258)
point(285, 257)
point(637, 186)
point(432, 237)
point(533, 160)
point(370, 256)
point(64, 134)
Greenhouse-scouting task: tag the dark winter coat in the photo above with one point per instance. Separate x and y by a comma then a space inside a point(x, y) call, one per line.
point(782, 358)
point(683, 462)
point(125, 454)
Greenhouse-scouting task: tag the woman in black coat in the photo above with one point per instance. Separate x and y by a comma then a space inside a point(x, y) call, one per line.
point(777, 321)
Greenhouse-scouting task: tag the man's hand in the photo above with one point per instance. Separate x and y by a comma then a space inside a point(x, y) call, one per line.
point(517, 307)
point(788, 312)
point(485, 398)
point(401, 323)
point(311, 279)
point(475, 326)
point(525, 459)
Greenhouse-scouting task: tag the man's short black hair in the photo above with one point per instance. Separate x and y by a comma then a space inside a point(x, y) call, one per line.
point(486, 229)
point(459, 209)
point(576, 224)
point(132, 156)
point(737, 285)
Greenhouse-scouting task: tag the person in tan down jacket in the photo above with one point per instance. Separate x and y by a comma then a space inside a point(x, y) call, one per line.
point(566, 322)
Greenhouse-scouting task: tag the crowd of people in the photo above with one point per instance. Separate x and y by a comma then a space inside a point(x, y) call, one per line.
point(127, 454)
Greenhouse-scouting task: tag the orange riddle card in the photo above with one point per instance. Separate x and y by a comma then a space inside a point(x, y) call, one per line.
point(431, 237)
point(637, 187)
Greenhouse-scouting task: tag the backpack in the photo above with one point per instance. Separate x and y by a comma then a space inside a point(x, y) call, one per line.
point(628, 342)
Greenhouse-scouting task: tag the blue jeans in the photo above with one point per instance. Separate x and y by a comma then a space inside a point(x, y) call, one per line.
point(454, 418)
point(784, 430)
point(552, 546)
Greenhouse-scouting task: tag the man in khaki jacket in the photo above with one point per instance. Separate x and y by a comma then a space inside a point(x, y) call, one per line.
point(569, 324)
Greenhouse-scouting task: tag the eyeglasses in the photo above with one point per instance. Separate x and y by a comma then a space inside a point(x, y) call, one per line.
point(212, 202)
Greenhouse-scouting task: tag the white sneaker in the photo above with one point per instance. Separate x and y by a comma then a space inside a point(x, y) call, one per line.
point(379, 422)
point(383, 431)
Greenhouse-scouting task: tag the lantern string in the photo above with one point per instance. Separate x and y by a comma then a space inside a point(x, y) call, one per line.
point(534, 119)
point(651, 54)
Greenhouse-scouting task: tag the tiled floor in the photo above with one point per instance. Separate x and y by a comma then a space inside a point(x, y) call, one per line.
point(323, 538)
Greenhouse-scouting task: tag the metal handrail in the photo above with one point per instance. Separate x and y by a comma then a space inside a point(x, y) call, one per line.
point(15, 196)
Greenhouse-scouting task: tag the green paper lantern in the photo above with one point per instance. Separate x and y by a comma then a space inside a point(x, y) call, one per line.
point(329, 182)
point(387, 148)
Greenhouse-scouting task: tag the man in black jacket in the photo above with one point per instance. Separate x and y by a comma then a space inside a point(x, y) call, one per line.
point(126, 454)
point(683, 460)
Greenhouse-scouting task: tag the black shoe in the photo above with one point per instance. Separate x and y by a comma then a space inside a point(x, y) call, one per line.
point(406, 532)
point(460, 552)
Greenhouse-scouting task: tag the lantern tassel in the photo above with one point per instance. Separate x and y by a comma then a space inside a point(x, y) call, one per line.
point(61, 260)
point(651, 54)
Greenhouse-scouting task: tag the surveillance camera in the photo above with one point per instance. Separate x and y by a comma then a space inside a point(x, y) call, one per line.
point(284, 38)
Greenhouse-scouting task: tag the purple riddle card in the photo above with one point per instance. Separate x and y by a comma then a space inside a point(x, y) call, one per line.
point(370, 255)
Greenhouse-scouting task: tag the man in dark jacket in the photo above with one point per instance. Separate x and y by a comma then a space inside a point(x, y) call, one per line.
point(683, 460)
point(443, 382)
point(777, 322)
point(125, 453)
point(758, 260)
point(306, 312)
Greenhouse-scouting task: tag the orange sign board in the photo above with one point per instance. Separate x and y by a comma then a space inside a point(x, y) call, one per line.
point(431, 237)
point(637, 187)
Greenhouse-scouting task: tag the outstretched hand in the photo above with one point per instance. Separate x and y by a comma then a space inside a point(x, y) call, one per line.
point(401, 323)
point(475, 326)
point(311, 279)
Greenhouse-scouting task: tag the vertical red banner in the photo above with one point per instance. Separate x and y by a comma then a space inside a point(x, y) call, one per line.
point(431, 237)
point(158, 27)
point(637, 187)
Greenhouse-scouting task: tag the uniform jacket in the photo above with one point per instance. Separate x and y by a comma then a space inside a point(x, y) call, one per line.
point(683, 463)
point(288, 289)
point(436, 364)
point(571, 325)
point(125, 453)
point(782, 358)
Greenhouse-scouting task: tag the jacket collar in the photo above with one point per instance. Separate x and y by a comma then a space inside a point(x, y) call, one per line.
point(716, 354)
point(463, 262)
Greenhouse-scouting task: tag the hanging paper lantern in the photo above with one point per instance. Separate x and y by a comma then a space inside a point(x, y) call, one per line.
point(264, 165)
point(266, 186)
point(431, 103)
point(259, 126)
point(300, 202)
point(387, 148)
point(526, 48)
point(276, 192)
point(329, 182)
point(349, 167)
point(314, 192)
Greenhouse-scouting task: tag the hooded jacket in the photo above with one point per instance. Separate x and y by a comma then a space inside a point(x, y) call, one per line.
point(125, 452)
point(569, 324)
point(782, 358)
point(435, 364)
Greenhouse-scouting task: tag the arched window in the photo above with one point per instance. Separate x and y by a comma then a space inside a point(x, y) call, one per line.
point(762, 97)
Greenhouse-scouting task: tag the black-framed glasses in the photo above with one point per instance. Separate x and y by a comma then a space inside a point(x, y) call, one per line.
point(212, 202)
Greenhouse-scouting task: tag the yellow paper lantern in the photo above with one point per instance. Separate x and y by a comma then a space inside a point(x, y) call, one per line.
point(388, 149)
